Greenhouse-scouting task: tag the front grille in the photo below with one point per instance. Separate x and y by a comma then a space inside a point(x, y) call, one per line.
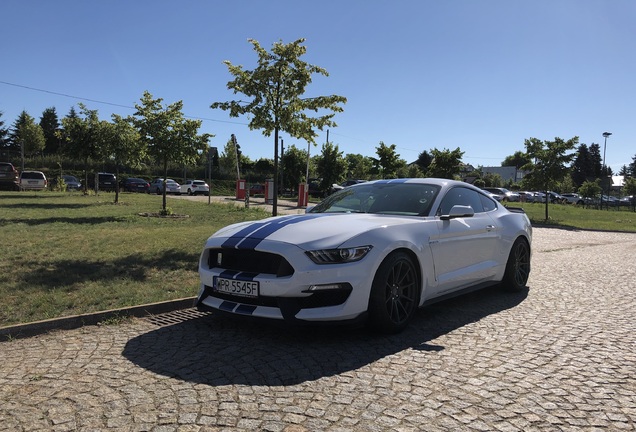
point(250, 261)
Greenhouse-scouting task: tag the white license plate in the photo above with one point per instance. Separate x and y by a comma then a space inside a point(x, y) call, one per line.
point(236, 287)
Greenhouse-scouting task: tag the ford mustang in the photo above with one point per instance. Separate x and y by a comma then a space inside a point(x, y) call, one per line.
point(373, 251)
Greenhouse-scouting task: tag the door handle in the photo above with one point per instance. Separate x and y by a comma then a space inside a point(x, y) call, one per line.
point(490, 227)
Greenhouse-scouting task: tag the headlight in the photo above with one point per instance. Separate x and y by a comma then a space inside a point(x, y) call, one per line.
point(338, 256)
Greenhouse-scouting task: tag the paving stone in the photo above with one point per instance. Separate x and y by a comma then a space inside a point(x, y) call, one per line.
point(559, 356)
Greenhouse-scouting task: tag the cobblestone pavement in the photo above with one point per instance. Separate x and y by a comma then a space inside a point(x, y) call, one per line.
point(558, 357)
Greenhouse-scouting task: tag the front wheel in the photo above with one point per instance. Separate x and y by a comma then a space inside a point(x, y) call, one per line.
point(518, 266)
point(395, 294)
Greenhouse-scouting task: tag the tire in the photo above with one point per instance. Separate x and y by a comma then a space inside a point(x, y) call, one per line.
point(190, 192)
point(158, 192)
point(395, 294)
point(517, 267)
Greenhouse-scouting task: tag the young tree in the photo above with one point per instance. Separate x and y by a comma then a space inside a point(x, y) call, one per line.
point(50, 125)
point(331, 166)
point(121, 143)
point(229, 157)
point(275, 89)
point(590, 189)
point(446, 163)
point(549, 164)
point(167, 134)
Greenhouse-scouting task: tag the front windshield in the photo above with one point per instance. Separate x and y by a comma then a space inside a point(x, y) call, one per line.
point(409, 199)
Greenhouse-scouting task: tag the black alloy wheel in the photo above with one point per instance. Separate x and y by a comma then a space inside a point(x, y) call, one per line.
point(395, 294)
point(518, 266)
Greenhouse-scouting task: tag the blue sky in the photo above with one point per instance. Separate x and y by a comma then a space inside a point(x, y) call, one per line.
point(479, 75)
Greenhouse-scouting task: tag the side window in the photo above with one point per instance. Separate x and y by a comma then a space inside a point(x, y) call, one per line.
point(461, 196)
point(488, 203)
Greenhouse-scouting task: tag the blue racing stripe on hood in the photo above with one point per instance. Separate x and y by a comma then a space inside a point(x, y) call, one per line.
point(250, 236)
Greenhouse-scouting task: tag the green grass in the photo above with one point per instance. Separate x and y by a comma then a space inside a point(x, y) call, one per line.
point(65, 253)
point(571, 216)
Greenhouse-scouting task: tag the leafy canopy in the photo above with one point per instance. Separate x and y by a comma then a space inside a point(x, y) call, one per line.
point(274, 91)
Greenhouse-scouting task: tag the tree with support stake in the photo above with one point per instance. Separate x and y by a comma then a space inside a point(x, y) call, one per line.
point(275, 88)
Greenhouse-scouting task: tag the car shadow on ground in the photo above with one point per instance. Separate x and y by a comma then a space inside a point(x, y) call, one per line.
point(218, 350)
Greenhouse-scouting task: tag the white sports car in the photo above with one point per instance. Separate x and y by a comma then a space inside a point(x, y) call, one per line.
point(374, 251)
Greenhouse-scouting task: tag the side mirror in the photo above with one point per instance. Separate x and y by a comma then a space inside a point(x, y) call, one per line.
point(459, 211)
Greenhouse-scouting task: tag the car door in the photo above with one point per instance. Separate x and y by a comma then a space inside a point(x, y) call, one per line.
point(464, 248)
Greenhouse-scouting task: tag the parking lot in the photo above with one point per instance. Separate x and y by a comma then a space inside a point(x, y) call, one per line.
point(559, 356)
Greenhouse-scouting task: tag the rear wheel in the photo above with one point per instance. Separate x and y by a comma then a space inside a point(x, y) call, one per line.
point(518, 266)
point(395, 294)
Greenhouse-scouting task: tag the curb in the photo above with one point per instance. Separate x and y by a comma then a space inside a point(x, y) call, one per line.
point(77, 321)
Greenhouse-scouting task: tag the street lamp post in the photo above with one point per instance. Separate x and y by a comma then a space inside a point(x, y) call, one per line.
point(604, 173)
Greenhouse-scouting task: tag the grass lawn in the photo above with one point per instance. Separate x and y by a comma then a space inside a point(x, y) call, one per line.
point(65, 253)
point(571, 216)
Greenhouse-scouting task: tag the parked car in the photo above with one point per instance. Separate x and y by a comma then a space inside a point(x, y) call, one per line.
point(33, 180)
point(609, 201)
point(195, 187)
point(172, 187)
point(555, 198)
point(257, 189)
point(9, 177)
point(359, 255)
point(627, 201)
point(106, 182)
point(573, 198)
point(526, 196)
point(72, 183)
point(134, 184)
point(314, 189)
point(336, 187)
point(504, 193)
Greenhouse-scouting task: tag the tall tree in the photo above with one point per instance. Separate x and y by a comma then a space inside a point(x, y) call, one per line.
point(168, 135)
point(517, 160)
point(331, 166)
point(81, 137)
point(423, 161)
point(596, 160)
point(275, 89)
point(27, 135)
point(446, 163)
point(632, 167)
point(583, 166)
point(358, 166)
point(294, 165)
point(550, 163)
point(50, 125)
point(388, 161)
point(4, 135)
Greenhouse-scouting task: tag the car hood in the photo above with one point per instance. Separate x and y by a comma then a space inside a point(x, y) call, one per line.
point(307, 231)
